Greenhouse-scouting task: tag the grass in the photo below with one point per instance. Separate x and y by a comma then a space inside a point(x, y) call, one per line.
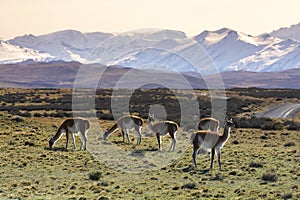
point(261, 164)
point(35, 172)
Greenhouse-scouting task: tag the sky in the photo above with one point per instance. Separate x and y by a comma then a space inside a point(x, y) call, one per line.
point(19, 17)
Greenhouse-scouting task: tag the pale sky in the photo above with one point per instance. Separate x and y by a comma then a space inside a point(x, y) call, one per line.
point(19, 17)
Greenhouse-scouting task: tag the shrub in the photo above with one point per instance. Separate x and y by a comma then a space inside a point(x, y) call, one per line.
point(291, 125)
point(255, 164)
point(289, 144)
point(217, 177)
point(95, 176)
point(189, 186)
point(108, 116)
point(37, 115)
point(272, 126)
point(26, 114)
point(269, 177)
point(288, 196)
point(261, 123)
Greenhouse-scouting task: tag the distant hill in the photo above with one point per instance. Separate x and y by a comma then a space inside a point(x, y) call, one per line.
point(63, 74)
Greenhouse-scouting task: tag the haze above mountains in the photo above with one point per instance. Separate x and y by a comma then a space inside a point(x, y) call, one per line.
point(227, 49)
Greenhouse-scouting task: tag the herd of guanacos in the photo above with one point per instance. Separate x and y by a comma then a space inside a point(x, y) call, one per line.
point(207, 137)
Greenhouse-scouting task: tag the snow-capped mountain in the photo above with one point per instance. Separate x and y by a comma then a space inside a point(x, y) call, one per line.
point(233, 51)
point(68, 45)
point(229, 50)
point(226, 49)
point(13, 54)
point(293, 33)
point(277, 56)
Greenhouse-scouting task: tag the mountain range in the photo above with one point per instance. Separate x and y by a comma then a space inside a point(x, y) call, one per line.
point(170, 50)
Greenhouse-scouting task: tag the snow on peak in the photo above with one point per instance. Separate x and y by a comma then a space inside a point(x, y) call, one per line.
point(14, 54)
point(292, 32)
point(154, 34)
point(167, 34)
point(223, 30)
point(212, 37)
point(227, 48)
point(67, 45)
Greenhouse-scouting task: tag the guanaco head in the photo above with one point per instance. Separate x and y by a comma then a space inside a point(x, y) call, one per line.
point(51, 142)
point(150, 118)
point(105, 135)
point(229, 123)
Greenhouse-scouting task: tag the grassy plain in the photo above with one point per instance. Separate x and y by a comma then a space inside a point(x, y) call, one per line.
point(257, 164)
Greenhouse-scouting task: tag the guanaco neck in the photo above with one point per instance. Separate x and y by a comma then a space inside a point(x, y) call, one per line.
point(58, 134)
point(150, 123)
point(226, 133)
point(112, 129)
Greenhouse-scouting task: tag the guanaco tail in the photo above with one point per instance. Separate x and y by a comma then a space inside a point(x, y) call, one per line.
point(211, 140)
point(163, 128)
point(126, 123)
point(69, 127)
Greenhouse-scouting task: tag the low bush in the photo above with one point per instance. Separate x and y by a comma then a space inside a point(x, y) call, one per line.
point(260, 123)
point(291, 125)
point(269, 177)
point(95, 176)
point(255, 164)
point(272, 126)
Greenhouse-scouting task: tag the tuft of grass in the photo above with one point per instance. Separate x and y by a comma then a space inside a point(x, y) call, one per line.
point(95, 176)
point(189, 185)
point(217, 177)
point(269, 177)
point(255, 164)
point(287, 196)
point(289, 144)
point(103, 198)
point(138, 152)
point(27, 143)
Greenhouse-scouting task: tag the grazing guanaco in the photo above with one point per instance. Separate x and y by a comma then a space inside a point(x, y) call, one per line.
point(69, 127)
point(163, 128)
point(211, 140)
point(125, 123)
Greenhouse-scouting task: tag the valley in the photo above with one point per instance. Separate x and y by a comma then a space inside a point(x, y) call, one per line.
point(257, 162)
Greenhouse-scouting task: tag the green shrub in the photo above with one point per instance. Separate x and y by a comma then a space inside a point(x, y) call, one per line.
point(269, 177)
point(255, 164)
point(37, 115)
point(288, 196)
point(95, 176)
point(291, 125)
point(272, 126)
point(260, 123)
